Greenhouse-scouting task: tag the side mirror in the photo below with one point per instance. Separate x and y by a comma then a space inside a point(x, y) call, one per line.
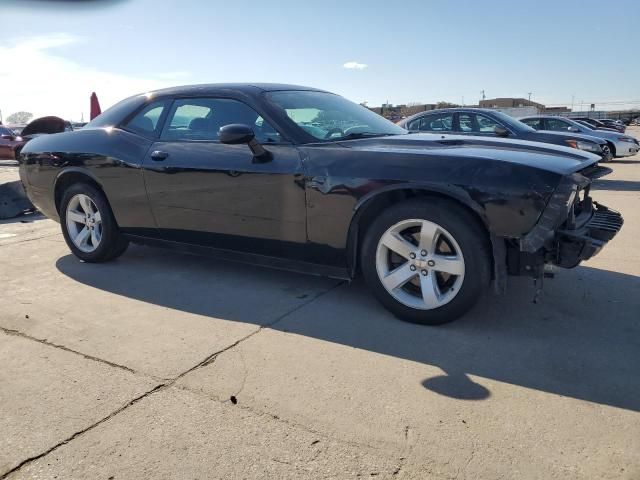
point(238, 133)
point(573, 129)
point(6, 136)
point(500, 131)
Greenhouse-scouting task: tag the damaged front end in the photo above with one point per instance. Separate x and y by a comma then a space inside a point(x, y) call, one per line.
point(572, 228)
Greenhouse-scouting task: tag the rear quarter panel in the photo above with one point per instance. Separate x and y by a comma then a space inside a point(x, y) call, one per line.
point(111, 157)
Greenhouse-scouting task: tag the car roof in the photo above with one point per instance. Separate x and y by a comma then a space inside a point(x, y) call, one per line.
point(246, 88)
point(445, 110)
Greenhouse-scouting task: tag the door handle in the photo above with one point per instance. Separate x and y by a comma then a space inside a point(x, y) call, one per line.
point(158, 155)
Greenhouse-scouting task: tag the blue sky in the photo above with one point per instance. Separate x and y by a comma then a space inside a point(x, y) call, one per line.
point(422, 51)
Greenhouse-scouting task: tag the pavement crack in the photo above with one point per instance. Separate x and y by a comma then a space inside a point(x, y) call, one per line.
point(212, 357)
point(84, 430)
point(44, 341)
point(159, 387)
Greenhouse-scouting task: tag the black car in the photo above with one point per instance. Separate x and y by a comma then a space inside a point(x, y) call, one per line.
point(600, 124)
point(493, 123)
point(302, 179)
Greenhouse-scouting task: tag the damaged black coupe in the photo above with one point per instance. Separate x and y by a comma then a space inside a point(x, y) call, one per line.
point(302, 179)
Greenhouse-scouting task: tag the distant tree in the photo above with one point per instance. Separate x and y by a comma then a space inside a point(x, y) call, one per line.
point(410, 108)
point(329, 116)
point(20, 117)
point(446, 105)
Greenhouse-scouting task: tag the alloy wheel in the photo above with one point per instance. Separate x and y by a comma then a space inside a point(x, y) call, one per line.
point(84, 223)
point(420, 264)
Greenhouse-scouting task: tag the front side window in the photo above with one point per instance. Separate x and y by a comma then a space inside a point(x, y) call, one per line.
point(556, 124)
point(486, 124)
point(474, 123)
point(533, 122)
point(466, 122)
point(146, 121)
point(442, 122)
point(326, 116)
point(202, 118)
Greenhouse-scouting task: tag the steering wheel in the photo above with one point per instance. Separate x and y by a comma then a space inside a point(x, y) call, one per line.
point(334, 130)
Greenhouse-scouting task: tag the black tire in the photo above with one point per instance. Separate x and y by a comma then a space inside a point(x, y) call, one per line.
point(608, 154)
point(471, 238)
point(612, 147)
point(112, 244)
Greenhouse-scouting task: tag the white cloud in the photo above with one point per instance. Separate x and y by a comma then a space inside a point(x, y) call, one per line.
point(355, 66)
point(37, 80)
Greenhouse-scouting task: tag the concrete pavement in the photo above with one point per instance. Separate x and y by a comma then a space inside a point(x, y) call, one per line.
point(162, 365)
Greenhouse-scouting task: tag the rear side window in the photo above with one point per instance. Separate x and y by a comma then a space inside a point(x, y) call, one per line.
point(146, 121)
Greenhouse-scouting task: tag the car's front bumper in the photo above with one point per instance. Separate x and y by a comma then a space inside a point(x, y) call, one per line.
point(583, 242)
point(626, 149)
point(566, 234)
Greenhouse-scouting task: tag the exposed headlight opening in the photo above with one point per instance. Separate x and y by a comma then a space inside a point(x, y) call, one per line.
point(587, 146)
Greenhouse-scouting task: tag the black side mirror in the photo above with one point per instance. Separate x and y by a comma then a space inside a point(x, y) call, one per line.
point(237, 133)
point(500, 131)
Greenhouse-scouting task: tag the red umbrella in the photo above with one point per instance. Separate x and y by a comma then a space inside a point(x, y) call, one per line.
point(95, 106)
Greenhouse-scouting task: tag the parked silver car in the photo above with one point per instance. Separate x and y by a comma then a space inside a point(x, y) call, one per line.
point(621, 145)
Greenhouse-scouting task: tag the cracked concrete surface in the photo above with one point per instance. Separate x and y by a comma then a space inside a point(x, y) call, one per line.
point(126, 370)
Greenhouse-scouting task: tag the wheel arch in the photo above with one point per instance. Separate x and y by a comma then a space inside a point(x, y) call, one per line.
point(374, 202)
point(612, 147)
point(70, 176)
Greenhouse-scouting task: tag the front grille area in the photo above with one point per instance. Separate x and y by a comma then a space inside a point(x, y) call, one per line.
point(604, 223)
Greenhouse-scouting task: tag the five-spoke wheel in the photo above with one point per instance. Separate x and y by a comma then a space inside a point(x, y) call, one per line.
point(88, 225)
point(84, 223)
point(420, 264)
point(427, 260)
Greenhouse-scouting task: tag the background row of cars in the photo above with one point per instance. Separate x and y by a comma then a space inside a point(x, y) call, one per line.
point(583, 135)
point(14, 136)
point(604, 137)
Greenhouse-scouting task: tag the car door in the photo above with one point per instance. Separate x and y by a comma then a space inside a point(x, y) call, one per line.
point(208, 193)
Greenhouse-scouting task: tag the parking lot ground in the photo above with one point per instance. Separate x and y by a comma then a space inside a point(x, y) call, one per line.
point(163, 365)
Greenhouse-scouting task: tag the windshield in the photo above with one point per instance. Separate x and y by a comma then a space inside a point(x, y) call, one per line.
point(509, 121)
point(326, 116)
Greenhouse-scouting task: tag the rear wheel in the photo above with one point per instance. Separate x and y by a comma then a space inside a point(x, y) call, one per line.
point(427, 261)
point(88, 225)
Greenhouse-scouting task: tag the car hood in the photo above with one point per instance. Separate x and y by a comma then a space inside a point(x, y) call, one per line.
point(43, 125)
point(554, 158)
point(607, 134)
point(572, 136)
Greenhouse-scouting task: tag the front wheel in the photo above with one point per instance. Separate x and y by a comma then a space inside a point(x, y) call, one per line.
point(88, 225)
point(426, 260)
point(607, 155)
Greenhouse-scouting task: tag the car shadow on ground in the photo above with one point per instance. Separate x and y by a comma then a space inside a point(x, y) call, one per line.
point(617, 185)
point(581, 340)
point(26, 217)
